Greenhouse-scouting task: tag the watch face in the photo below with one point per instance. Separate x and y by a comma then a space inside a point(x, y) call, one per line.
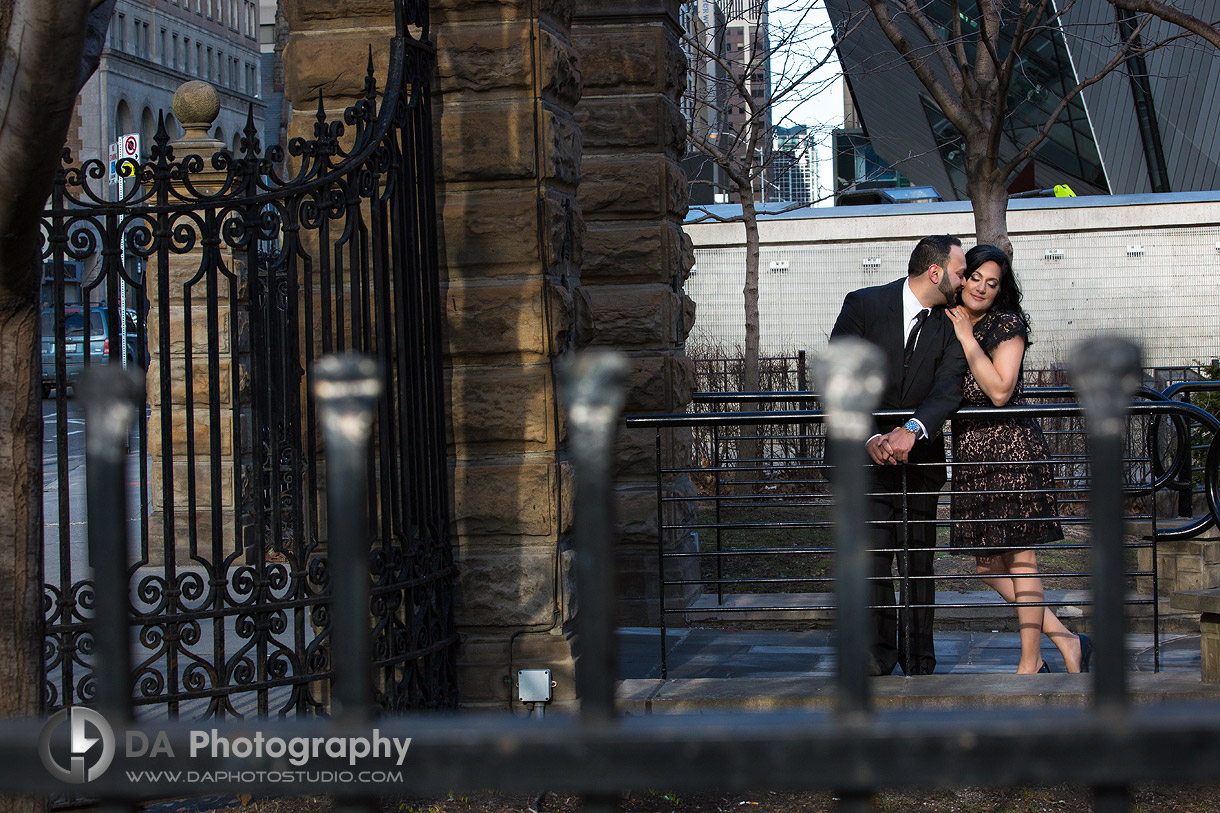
point(914, 427)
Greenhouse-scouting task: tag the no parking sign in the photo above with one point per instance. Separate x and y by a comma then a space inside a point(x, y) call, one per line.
point(128, 146)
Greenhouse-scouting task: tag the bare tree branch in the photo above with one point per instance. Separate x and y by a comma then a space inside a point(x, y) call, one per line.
point(949, 103)
point(1168, 13)
point(1125, 51)
point(739, 143)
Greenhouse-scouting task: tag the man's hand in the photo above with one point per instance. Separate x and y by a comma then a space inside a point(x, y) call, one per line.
point(880, 455)
point(900, 442)
point(891, 448)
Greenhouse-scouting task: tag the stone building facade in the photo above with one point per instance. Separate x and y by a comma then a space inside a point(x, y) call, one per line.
point(152, 48)
point(560, 194)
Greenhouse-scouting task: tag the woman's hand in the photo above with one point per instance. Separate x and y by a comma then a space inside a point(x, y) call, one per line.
point(962, 325)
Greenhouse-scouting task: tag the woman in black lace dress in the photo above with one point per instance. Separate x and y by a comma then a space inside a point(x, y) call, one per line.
point(1002, 502)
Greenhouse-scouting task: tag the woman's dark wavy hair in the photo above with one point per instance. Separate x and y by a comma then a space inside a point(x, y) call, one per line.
point(1008, 297)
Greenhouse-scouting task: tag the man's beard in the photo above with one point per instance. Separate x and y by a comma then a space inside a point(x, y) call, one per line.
point(945, 286)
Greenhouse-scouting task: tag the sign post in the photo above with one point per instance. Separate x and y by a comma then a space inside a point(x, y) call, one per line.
point(127, 147)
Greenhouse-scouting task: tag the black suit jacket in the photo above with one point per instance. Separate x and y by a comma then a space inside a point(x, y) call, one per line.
point(933, 382)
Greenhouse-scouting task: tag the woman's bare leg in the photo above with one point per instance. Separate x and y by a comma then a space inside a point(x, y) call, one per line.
point(997, 569)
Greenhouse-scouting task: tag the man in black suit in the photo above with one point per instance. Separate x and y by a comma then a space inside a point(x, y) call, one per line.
point(925, 366)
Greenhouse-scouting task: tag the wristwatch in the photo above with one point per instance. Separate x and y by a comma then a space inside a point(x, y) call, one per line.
point(912, 426)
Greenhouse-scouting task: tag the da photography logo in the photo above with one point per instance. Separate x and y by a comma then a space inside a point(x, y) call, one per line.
point(87, 728)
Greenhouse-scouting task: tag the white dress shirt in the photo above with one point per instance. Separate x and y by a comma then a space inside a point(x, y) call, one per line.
point(910, 309)
point(911, 306)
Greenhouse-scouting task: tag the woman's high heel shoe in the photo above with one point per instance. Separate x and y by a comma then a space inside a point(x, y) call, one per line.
point(1086, 651)
point(1045, 668)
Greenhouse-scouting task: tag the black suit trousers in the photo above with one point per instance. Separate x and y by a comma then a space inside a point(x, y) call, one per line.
point(890, 526)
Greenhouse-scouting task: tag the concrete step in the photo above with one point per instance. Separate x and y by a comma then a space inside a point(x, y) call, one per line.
point(769, 670)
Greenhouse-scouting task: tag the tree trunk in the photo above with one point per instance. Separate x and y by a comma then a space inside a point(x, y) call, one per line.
point(749, 291)
point(990, 201)
point(747, 446)
point(21, 578)
point(41, 61)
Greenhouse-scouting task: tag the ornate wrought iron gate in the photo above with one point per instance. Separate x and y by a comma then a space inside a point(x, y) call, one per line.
point(234, 273)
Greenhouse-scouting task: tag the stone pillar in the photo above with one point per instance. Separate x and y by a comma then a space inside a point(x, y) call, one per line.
point(508, 162)
point(510, 239)
point(636, 258)
point(196, 105)
point(512, 254)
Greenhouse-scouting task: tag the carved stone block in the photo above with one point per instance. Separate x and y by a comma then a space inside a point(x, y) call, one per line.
point(504, 496)
point(511, 406)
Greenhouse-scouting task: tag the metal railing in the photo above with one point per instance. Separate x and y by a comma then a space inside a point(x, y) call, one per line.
point(761, 525)
point(727, 373)
point(854, 750)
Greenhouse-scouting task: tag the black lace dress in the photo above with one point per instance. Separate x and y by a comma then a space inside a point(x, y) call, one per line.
point(1004, 458)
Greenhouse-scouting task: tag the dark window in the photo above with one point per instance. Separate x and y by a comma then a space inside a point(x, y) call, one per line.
point(74, 321)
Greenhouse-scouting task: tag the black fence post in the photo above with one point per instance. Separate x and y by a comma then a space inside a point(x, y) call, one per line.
point(802, 384)
point(851, 377)
point(592, 386)
point(111, 397)
point(1105, 374)
point(347, 388)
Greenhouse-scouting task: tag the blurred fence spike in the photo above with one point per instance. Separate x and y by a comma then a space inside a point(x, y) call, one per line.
point(851, 376)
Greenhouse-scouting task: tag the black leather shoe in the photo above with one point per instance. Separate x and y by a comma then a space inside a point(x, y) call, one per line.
point(875, 668)
point(1086, 651)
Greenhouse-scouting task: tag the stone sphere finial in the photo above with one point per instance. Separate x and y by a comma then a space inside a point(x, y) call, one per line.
point(196, 106)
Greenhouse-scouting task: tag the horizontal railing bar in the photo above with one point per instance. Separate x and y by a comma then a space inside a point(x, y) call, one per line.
point(765, 396)
point(800, 551)
point(1057, 574)
point(817, 416)
point(781, 608)
point(1165, 742)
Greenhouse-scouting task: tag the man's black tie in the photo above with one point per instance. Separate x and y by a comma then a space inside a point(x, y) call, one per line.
point(909, 350)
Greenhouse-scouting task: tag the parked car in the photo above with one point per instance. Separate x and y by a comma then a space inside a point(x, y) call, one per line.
point(75, 343)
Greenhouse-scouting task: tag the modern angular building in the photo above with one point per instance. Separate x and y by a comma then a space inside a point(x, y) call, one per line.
point(1149, 127)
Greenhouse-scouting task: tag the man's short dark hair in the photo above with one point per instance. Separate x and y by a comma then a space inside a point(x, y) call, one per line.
point(931, 250)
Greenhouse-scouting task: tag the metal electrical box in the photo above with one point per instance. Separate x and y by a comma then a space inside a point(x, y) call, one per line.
point(534, 685)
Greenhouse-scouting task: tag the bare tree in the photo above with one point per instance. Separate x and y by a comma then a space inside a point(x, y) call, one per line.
point(1170, 13)
point(732, 100)
point(37, 96)
point(968, 62)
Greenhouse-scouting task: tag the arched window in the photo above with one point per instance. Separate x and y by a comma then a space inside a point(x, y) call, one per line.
point(123, 121)
point(148, 129)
